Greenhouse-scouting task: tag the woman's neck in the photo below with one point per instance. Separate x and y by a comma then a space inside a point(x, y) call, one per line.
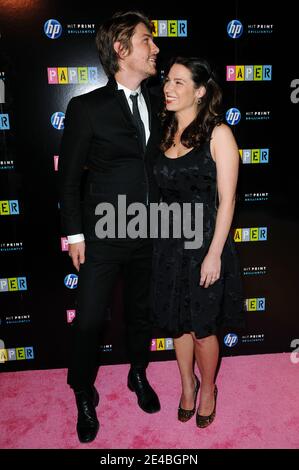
point(183, 120)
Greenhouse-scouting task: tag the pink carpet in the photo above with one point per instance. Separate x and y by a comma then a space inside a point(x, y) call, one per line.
point(257, 409)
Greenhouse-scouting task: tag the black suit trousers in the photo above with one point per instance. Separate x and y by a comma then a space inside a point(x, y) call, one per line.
point(104, 260)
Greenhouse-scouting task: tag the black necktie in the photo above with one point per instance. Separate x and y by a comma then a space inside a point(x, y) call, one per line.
point(138, 120)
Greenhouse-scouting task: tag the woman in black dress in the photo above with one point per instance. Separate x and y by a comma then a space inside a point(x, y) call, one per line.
point(195, 291)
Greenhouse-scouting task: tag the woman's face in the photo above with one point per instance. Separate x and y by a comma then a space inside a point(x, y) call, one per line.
point(179, 90)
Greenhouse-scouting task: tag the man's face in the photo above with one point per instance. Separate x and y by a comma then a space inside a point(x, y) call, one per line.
point(142, 58)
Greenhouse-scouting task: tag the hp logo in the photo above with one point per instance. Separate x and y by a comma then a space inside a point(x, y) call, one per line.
point(57, 120)
point(234, 29)
point(71, 281)
point(52, 29)
point(233, 116)
point(230, 340)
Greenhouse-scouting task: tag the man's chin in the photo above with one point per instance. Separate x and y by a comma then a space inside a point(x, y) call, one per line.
point(153, 72)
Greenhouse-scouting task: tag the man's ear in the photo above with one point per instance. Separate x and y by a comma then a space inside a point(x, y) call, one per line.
point(120, 50)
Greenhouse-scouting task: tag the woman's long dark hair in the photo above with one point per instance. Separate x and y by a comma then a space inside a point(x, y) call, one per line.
point(209, 110)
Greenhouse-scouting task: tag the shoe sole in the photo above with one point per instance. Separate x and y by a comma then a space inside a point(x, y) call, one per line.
point(97, 399)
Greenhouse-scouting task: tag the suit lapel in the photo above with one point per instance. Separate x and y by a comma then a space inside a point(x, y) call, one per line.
point(121, 99)
point(123, 103)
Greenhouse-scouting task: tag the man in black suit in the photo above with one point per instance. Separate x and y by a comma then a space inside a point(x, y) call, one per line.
point(114, 132)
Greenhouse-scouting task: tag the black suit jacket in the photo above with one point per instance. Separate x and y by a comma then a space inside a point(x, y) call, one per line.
point(100, 135)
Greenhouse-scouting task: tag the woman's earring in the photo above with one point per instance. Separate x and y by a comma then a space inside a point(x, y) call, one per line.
point(199, 100)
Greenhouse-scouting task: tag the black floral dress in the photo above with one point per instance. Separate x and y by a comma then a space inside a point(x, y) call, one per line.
point(179, 303)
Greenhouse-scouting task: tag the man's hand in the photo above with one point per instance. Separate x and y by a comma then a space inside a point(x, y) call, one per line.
point(77, 253)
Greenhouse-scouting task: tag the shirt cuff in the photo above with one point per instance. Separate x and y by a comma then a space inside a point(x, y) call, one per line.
point(75, 238)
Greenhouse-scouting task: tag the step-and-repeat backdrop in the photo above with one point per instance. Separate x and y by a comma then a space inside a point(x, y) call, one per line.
point(47, 56)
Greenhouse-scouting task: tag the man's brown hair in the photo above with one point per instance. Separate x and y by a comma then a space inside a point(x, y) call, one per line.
point(120, 27)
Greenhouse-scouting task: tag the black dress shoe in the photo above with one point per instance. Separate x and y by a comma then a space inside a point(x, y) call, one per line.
point(87, 424)
point(147, 397)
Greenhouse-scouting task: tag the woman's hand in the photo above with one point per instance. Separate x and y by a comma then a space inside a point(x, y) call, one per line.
point(210, 270)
